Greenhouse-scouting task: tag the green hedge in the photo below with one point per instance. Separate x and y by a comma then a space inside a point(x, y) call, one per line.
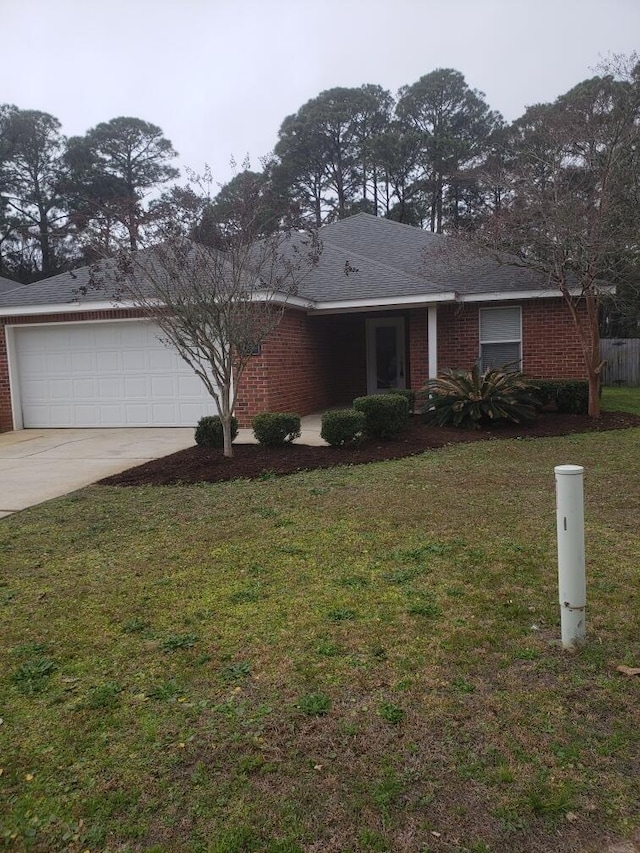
point(386, 414)
point(408, 393)
point(209, 431)
point(275, 429)
point(343, 428)
point(569, 396)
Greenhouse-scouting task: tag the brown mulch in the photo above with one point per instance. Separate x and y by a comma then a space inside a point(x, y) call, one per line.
point(202, 465)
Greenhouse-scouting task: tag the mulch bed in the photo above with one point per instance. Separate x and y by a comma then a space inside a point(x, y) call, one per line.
point(202, 465)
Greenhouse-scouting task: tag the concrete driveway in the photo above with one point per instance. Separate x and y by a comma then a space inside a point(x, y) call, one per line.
point(37, 465)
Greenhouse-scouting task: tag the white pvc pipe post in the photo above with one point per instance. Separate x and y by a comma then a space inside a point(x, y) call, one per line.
point(572, 583)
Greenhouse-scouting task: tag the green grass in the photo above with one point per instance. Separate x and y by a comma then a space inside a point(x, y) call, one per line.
point(358, 659)
point(621, 400)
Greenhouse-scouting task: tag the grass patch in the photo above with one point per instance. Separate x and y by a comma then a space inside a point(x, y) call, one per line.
point(33, 675)
point(314, 704)
point(347, 660)
point(621, 400)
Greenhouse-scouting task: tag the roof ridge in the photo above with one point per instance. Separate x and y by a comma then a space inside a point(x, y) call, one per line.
point(386, 220)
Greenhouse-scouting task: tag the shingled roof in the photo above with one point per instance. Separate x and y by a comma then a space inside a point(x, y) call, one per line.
point(364, 258)
point(6, 284)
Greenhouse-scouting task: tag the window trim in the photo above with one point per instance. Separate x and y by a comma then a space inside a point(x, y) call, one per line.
point(482, 342)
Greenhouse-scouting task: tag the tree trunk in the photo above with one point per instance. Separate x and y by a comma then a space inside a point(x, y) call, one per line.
point(588, 329)
point(45, 246)
point(594, 393)
point(225, 418)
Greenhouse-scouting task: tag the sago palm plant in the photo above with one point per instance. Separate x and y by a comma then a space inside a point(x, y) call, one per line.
point(473, 398)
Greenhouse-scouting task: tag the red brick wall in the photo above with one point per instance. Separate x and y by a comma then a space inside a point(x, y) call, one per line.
point(418, 347)
point(550, 343)
point(292, 373)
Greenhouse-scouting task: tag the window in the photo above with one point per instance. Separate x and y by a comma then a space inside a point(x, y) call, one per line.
point(500, 337)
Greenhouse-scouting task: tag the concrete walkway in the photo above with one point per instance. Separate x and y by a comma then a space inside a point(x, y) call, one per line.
point(39, 464)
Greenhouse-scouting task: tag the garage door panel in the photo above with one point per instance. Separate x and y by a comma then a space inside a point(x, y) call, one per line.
point(89, 414)
point(58, 362)
point(83, 362)
point(135, 359)
point(105, 374)
point(62, 415)
point(60, 389)
point(58, 342)
point(163, 386)
point(160, 360)
point(136, 387)
point(85, 389)
point(106, 361)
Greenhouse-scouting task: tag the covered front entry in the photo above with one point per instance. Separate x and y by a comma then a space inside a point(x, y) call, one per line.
point(386, 356)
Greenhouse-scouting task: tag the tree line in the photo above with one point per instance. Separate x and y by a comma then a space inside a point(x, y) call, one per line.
point(435, 156)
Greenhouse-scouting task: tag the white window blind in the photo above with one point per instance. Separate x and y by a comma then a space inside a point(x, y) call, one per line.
point(500, 337)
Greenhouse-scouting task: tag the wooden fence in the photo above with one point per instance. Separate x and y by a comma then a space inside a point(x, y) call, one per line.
point(623, 361)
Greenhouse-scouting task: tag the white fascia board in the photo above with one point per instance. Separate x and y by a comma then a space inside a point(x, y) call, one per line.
point(282, 299)
point(548, 293)
point(352, 305)
point(64, 308)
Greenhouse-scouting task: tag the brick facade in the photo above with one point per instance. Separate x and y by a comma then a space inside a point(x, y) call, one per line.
point(313, 362)
point(550, 344)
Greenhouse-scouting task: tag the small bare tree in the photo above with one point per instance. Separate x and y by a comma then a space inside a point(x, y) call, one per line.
point(566, 212)
point(216, 303)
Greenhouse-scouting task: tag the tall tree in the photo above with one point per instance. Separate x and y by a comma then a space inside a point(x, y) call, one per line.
point(6, 146)
point(569, 214)
point(397, 153)
point(115, 165)
point(216, 305)
point(30, 177)
point(455, 123)
point(327, 151)
point(301, 172)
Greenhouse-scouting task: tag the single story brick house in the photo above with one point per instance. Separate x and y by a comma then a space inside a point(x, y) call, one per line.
point(407, 307)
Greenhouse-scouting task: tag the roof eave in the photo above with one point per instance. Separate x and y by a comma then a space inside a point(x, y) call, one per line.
point(340, 306)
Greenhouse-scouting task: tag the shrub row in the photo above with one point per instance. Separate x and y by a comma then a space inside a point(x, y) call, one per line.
point(272, 429)
point(380, 416)
point(457, 398)
point(569, 396)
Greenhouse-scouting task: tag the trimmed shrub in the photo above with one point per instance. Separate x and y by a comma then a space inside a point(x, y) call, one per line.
point(343, 428)
point(408, 393)
point(209, 431)
point(275, 429)
point(471, 399)
point(386, 415)
point(568, 396)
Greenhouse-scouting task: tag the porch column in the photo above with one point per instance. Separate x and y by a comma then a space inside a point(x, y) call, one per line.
point(432, 337)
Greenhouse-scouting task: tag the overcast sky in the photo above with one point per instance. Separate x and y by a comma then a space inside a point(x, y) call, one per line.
point(219, 76)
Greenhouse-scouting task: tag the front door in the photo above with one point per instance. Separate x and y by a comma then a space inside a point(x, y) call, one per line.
point(386, 367)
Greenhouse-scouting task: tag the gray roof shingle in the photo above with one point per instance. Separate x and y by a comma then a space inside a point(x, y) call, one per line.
point(6, 284)
point(385, 259)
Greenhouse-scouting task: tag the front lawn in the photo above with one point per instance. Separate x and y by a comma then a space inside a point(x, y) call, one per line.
point(355, 659)
point(621, 400)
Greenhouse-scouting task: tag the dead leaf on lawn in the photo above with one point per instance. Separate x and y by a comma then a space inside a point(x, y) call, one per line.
point(628, 670)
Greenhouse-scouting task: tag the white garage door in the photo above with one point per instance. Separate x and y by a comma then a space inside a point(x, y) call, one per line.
point(105, 375)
